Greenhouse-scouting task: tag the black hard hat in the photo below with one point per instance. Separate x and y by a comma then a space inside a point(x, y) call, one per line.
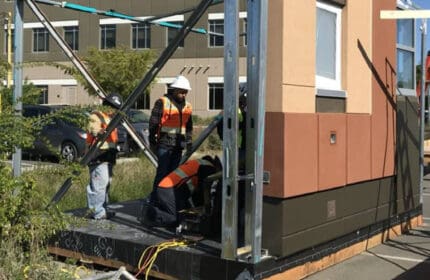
point(114, 99)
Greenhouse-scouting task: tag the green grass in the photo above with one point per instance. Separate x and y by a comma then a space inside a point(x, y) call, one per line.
point(131, 180)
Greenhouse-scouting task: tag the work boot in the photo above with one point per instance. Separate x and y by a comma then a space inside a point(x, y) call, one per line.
point(107, 216)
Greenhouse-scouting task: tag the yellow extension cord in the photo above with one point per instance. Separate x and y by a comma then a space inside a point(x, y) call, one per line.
point(158, 248)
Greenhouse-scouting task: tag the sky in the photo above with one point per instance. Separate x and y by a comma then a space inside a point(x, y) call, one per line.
point(424, 4)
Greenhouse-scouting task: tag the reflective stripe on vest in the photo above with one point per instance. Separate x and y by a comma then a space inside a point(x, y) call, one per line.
point(171, 121)
point(113, 136)
point(186, 173)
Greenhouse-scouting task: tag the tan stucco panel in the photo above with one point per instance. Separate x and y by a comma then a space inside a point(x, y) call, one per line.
point(274, 57)
point(357, 23)
point(299, 42)
point(291, 59)
point(298, 99)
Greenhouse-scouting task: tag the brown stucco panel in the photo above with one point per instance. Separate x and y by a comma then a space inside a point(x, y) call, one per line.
point(383, 64)
point(331, 151)
point(358, 148)
point(291, 154)
point(274, 147)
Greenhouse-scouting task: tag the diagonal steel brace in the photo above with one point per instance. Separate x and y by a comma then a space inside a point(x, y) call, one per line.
point(146, 81)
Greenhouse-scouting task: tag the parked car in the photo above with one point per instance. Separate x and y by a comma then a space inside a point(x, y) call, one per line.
point(59, 137)
point(140, 122)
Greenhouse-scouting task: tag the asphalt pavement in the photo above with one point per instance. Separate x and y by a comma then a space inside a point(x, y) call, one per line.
point(406, 257)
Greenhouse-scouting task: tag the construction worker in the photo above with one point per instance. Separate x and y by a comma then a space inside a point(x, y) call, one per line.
point(180, 189)
point(171, 127)
point(100, 167)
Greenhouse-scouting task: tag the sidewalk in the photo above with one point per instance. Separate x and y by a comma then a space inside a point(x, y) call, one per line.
point(406, 257)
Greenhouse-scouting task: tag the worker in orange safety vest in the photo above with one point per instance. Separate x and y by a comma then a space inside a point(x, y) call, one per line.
point(170, 128)
point(180, 189)
point(101, 165)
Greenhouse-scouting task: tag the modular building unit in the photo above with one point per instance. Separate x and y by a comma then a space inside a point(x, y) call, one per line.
point(344, 141)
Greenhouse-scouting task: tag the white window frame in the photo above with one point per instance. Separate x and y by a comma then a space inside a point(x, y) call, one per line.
point(214, 45)
point(413, 49)
point(182, 43)
point(75, 32)
point(324, 82)
point(40, 31)
point(102, 30)
point(147, 30)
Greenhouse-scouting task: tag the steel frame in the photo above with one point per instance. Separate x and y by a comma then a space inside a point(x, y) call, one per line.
point(256, 80)
point(256, 77)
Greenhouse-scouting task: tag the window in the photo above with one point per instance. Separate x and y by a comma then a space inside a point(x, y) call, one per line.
point(328, 47)
point(107, 36)
point(43, 97)
point(71, 36)
point(141, 36)
point(406, 55)
point(40, 40)
point(216, 96)
point(216, 26)
point(171, 33)
point(142, 102)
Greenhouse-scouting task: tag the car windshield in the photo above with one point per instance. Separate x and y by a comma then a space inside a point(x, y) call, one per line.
point(138, 116)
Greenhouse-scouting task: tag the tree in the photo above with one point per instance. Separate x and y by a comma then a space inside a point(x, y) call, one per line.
point(30, 93)
point(116, 70)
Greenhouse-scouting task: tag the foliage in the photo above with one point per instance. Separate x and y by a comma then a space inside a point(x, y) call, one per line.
point(25, 226)
point(116, 70)
point(4, 66)
point(16, 132)
point(30, 93)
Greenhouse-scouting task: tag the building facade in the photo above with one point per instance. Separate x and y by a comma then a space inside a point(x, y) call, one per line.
point(341, 120)
point(199, 57)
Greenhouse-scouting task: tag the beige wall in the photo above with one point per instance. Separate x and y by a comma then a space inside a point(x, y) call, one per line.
point(197, 70)
point(291, 59)
point(357, 77)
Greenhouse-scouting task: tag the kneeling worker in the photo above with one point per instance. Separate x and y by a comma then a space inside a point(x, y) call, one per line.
point(176, 190)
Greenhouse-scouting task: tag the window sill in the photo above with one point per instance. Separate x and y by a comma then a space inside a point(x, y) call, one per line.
point(330, 93)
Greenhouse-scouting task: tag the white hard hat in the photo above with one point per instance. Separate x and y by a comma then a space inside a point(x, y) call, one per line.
point(181, 82)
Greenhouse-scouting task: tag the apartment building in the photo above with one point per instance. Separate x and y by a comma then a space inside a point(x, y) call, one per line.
point(199, 57)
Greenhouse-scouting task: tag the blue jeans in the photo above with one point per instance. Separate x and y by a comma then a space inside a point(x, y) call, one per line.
point(168, 160)
point(98, 188)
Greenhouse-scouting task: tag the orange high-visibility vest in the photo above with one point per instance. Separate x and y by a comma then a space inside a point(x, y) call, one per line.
point(186, 173)
point(105, 119)
point(170, 120)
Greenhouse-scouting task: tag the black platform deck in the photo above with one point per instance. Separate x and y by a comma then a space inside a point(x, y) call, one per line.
point(123, 239)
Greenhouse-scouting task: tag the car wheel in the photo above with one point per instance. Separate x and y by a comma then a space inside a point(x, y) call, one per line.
point(69, 152)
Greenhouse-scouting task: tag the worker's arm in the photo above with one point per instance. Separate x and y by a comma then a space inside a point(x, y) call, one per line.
point(154, 122)
point(189, 133)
